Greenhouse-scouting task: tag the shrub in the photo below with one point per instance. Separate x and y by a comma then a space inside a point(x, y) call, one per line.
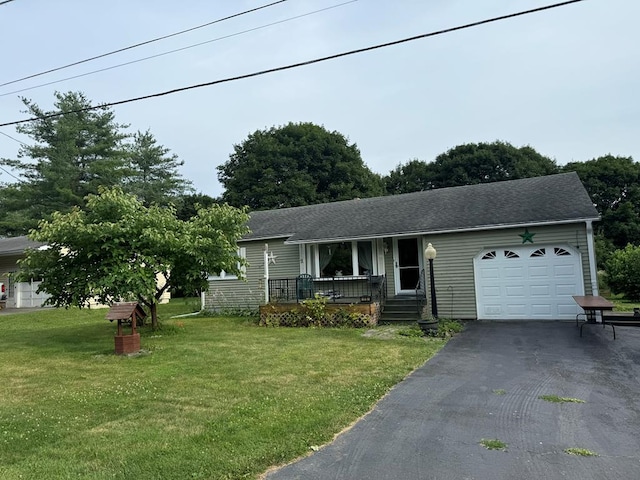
point(446, 328)
point(622, 272)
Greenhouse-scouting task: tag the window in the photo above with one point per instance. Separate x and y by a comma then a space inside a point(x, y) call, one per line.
point(242, 253)
point(345, 259)
point(561, 252)
point(489, 255)
point(510, 254)
point(539, 253)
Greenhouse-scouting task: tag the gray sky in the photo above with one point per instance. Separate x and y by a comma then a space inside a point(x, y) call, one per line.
point(564, 81)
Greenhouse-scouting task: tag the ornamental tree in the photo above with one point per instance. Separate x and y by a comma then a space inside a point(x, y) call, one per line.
point(119, 249)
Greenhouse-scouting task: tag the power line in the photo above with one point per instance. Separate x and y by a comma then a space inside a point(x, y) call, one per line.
point(177, 49)
point(5, 1)
point(14, 139)
point(300, 64)
point(141, 43)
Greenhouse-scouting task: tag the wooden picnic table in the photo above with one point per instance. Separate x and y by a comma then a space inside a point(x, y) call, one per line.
point(592, 305)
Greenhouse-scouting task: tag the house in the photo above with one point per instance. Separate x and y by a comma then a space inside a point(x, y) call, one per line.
point(19, 294)
point(516, 249)
point(24, 294)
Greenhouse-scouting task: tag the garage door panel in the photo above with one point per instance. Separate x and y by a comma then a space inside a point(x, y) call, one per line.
point(564, 271)
point(515, 291)
point(517, 310)
point(528, 282)
point(513, 272)
point(539, 271)
point(539, 290)
point(490, 273)
point(541, 310)
point(567, 289)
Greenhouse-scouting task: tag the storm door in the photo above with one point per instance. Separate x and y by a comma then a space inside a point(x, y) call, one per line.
point(406, 265)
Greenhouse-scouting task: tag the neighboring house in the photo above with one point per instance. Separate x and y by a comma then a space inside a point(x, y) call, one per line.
point(24, 294)
point(19, 294)
point(507, 250)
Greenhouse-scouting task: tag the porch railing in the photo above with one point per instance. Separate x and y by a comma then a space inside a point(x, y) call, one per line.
point(346, 289)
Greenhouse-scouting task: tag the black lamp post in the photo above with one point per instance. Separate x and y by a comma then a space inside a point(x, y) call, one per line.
point(430, 254)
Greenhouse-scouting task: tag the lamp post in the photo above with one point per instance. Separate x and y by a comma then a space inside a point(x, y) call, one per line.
point(430, 254)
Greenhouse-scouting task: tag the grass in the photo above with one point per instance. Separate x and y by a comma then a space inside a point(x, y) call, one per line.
point(500, 391)
point(583, 452)
point(210, 398)
point(493, 444)
point(558, 399)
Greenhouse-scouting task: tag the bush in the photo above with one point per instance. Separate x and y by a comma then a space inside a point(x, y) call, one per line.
point(622, 272)
point(446, 328)
point(313, 313)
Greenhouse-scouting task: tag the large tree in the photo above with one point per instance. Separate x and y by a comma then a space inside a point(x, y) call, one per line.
point(413, 176)
point(613, 182)
point(295, 164)
point(72, 155)
point(152, 172)
point(474, 163)
point(117, 249)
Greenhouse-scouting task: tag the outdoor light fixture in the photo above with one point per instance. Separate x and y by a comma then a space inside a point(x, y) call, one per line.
point(430, 254)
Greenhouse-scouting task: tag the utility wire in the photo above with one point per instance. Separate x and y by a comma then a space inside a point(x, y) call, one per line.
point(300, 64)
point(141, 43)
point(5, 1)
point(178, 49)
point(14, 139)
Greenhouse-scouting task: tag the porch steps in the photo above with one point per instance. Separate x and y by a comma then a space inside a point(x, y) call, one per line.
point(400, 309)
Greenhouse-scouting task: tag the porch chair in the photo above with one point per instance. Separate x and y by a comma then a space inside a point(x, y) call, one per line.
point(304, 286)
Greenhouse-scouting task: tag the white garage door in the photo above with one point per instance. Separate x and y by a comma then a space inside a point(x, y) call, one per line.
point(533, 282)
point(26, 295)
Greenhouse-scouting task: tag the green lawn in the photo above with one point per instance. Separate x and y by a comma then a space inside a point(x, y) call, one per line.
point(212, 398)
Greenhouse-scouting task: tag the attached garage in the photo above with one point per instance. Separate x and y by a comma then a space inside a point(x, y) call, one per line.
point(528, 282)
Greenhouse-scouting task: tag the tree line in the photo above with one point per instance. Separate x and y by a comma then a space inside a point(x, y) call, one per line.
point(75, 155)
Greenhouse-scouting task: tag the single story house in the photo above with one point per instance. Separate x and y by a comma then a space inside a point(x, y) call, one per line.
point(515, 249)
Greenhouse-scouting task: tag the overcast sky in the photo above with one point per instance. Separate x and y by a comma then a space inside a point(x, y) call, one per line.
point(564, 81)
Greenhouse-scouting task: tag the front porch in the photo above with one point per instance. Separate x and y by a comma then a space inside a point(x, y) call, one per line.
point(364, 289)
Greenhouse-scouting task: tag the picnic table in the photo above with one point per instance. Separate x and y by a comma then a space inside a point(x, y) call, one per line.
point(592, 305)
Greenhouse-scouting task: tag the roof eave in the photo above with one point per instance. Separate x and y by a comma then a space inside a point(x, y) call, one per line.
point(440, 232)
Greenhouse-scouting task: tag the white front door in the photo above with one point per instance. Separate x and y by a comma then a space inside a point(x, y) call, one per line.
point(407, 264)
point(532, 282)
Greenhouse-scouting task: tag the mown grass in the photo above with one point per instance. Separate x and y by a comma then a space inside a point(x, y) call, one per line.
point(210, 397)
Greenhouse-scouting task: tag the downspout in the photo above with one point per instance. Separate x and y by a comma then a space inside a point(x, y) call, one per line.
point(593, 269)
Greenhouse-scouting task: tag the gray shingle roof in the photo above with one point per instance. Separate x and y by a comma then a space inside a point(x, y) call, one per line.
point(16, 245)
point(549, 199)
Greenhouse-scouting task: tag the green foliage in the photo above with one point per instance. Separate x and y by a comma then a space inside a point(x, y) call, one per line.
point(76, 154)
point(622, 272)
point(314, 313)
point(493, 444)
point(613, 184)
point(118, 249)
point(152, 174)
point(295, 164)
point(446, 328)
point(72, 155)
point(582, 452)
point(413, 176)
point(410, 332)
point(473, 163)
point(558, 399)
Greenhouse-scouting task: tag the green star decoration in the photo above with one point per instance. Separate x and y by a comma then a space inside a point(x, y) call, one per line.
point(527, 236)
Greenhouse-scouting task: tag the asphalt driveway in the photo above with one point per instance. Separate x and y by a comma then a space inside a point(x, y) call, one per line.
point(485, 384)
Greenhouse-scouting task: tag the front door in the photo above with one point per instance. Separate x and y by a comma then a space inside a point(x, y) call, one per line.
point(406, 265)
